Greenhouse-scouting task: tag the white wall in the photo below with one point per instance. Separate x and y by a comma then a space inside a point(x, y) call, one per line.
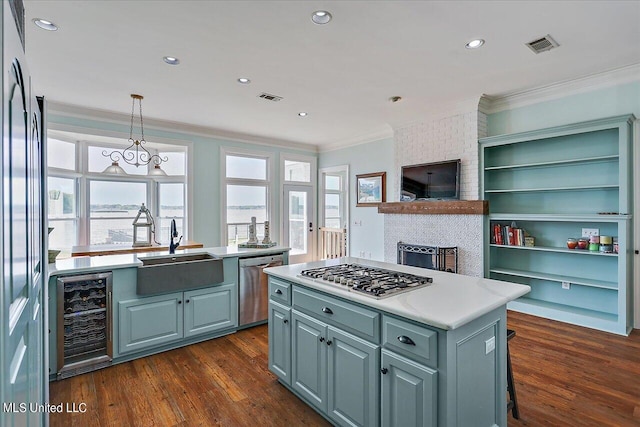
point(447, 138)
point(377, 156)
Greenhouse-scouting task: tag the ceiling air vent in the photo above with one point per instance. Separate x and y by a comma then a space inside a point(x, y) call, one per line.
point(542, 44)
point(270, 97)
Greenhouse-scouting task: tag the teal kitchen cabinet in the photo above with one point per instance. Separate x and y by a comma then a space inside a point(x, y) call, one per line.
point(409, 392)
point(353, 379)
point(153, 321)
point(309, 359)
point(335, 371)
point(553, 183)
point(208, 310)
point(280, 341)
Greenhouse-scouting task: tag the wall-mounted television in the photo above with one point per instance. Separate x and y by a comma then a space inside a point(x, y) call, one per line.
point(431, 181)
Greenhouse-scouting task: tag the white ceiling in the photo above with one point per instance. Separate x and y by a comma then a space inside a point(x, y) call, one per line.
point(342, 73)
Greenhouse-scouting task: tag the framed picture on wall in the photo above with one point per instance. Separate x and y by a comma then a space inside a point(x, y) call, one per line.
point(371, 188)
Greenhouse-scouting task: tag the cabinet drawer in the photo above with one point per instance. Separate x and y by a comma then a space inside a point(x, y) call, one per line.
point(413, 341)
point(357, 320)
point(279, 290)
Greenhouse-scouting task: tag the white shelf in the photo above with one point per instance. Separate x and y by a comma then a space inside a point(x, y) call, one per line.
point(554, 163)
point(569, 188)
point(505, 216)
point(557, 278)
point(555, 249)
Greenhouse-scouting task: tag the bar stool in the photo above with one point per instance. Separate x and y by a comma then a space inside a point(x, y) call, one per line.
point(512, 404)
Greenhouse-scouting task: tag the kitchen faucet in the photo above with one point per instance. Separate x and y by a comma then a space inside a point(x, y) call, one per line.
point(174, 233)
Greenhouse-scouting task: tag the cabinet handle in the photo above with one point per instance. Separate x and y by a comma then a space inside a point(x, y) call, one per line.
point(109, 310)
point(327, 310)
point(187, 301)
point(179, 302)
point(406, 340)
point(321, 339)
point(384, 371)
point(278, 291)
point(328, 342)
point(285, 321)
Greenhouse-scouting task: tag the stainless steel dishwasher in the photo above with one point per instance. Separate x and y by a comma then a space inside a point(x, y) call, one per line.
point(254, 293)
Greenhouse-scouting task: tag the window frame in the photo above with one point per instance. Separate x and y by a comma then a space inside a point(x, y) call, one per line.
point(83, 177)
point(268, 183)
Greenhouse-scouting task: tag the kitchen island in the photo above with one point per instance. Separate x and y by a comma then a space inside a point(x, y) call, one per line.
point(430, 356)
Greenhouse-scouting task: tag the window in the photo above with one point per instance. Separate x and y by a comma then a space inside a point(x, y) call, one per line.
point(334, 204)
point(112, 208)
point(86, 207)
point(246, 195)
point(297, 171)
point(62, 213)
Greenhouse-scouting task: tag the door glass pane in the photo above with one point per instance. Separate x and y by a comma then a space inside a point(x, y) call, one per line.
point(332, 210)
point(332, 182)
point(298, 222)
point(171, 203)
point(62, 197)
point(113, 207)
point(246, 167)
point(297, 171)
point(243, 202)
point(61, 154)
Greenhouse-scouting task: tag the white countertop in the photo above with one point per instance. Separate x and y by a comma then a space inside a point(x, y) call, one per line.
point(451, 301)
point(97, 263)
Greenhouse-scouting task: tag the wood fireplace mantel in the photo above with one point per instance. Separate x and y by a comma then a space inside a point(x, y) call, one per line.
point(450, 207)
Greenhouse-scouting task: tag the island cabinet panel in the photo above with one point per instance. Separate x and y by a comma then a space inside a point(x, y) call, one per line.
point(409, 392)
point(149, 322)
point(309, 359)
point(280, 341)
point(546, 186)
point(208, 310)
point(353, 379)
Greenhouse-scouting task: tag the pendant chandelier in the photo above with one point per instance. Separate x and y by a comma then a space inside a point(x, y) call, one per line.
point(135, 154)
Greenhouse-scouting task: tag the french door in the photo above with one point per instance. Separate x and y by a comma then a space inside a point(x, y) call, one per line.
point(299, 222)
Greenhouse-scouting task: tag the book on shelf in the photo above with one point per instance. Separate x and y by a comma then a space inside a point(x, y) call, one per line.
point(510, 236)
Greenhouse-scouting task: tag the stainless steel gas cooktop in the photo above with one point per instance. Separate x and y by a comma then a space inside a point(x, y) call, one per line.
point(371, 281)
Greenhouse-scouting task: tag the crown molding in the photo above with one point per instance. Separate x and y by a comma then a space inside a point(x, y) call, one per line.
point(68, 110)
point(363, 139)
point(562, 89)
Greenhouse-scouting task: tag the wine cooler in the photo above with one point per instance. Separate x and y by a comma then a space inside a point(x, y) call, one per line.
point(84, 323)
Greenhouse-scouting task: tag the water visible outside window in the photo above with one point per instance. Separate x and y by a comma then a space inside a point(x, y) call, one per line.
point(113, 207)
point(243, 202)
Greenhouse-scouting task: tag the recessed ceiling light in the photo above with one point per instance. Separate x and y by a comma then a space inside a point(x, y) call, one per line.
point(44, 24)
point(302, 114)
point(244, 80)
point(171, 60)
point(321, 17)
point(474, 44)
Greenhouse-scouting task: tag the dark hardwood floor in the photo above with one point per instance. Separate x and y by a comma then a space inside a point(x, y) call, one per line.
point(565, 376)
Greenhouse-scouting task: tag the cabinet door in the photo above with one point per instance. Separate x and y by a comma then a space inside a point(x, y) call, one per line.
point(149, 322)
point(353, 379)
point(280, 341)
point(409, 392)
point(208, 310)
point(309, 359)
